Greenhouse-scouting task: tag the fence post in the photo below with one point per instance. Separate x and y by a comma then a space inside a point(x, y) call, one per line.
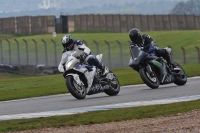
point(85, 43)
point(97, 46)
point(121, 57)
point(55, 52)
point(9, 49)
point(27, 55)
point(171, 52)
point(109, 56)
point(184, 57)
point(18, 52)
point(198, 53)
point(1, 51)
point(36, 51)
point(46, 55)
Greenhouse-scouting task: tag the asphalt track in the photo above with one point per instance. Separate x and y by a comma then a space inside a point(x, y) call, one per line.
point(128, 94)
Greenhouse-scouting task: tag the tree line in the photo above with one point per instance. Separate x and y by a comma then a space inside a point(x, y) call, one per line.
point(189, 7)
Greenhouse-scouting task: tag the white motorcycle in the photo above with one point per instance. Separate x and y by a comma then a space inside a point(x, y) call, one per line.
point(83, 79)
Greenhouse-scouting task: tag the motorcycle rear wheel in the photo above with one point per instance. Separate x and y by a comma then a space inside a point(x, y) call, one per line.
point(77, 91)
point(152, 82)
point(114, 87)
point(181, 79)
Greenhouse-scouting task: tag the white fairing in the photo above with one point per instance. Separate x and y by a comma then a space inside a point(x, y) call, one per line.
point(65, 59)
point(99, 57)
point(77, 79)
point(131, 60)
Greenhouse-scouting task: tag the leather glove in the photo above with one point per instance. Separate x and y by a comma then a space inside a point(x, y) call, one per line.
point(168, 50)
point(141, 48)
point(153, 48)
point(83, 55)
point(152, 53)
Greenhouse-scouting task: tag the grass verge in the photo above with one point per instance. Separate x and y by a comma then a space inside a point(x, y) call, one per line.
point(99, 116)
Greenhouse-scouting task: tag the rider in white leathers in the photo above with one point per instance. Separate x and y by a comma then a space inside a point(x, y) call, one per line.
point(82, 51)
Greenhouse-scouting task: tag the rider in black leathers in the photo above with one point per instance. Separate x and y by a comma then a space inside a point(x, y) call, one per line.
point(148, 45)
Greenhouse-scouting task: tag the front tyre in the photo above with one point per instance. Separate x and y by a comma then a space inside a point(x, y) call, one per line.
point(149, 80)
point(79, 92)
point(181, 77)
point(114, 87)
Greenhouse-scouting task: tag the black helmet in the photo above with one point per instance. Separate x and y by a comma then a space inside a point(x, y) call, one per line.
point(134, 35)
point(68, 42)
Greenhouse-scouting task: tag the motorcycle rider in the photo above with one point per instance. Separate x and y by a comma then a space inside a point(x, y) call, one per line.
point(70, 45)
point(149, 46)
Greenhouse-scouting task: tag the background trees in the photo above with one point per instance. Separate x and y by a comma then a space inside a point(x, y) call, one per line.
point(188, 7)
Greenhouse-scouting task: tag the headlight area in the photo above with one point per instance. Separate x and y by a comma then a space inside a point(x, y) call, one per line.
point(69, 64)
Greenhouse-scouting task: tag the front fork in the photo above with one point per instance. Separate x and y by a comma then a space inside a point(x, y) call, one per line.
point(149, 70)
point(76, 79)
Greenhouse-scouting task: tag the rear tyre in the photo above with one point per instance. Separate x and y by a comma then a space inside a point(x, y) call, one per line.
point(151, 81)
point(181, 78)
point(79, 92)
point(114, 87)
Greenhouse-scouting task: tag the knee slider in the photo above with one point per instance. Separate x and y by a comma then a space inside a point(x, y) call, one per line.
point(168, 50)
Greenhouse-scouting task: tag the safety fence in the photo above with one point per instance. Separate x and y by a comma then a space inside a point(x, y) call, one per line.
point(125, 22)
point(27, 25)
point(97, 22)
point(49, 52)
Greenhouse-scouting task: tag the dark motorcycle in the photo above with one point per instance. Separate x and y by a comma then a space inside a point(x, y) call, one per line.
point(154, 70)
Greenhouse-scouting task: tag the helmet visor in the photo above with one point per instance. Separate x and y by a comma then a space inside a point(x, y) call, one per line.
point(135, 39)
point(69, 44)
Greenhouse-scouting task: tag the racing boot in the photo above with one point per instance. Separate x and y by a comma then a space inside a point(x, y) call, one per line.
point(169, 62)
point(94, 61)
point(175, 68)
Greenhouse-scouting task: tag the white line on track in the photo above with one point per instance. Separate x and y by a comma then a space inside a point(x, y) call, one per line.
point(96, 108)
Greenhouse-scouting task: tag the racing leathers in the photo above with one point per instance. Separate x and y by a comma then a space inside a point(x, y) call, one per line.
point(149, 46)
point(84, 53)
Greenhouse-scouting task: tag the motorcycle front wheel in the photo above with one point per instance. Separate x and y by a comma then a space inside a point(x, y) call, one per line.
point(79, 92)
point(148, 79)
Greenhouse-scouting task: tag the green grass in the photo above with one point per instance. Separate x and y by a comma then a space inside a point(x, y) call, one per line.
point(99, 116)
point(6, 36)
point(13, 86)
point(176, 39)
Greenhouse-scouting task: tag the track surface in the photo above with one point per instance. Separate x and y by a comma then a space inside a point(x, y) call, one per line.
point(127, 94)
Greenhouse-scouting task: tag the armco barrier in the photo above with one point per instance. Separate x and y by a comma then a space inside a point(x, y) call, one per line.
point(29, 69)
